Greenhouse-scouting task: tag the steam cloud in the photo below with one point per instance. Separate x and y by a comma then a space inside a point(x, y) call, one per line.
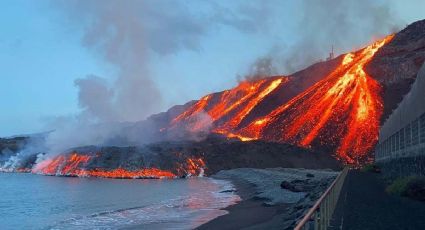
point(346, 25)
point(339, 23)
point(129, 35)
point(262, 67)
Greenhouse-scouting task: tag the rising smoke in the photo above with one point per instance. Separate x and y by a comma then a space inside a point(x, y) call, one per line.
point(128, 35)
point(262, 67)
point(345, 25)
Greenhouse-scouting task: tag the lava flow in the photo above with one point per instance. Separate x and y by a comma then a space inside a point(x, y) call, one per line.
point(342, 111)
point(62, 165)
point(339, 113)
point(230, 107)
point(78, 165)
point(192, 166)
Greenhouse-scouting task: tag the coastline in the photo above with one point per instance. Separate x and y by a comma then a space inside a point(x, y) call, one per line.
point(248, 212)
point(255, 210)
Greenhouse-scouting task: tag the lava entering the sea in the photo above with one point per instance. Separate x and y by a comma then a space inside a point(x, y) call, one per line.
point(77, 165)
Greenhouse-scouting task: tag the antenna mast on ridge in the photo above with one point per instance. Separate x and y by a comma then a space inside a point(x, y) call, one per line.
point(331, 54)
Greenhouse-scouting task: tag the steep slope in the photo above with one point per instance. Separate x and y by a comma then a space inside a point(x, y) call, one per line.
point(341, 112)
point(338, 110)
point(334, 107)
point(396, 64)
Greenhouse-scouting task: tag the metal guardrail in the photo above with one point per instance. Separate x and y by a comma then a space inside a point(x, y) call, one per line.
point(319, 216)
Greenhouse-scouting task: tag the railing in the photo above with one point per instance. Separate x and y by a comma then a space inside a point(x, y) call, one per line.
point(319, 216)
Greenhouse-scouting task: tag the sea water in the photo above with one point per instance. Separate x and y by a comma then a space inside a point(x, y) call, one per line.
point(29, 201)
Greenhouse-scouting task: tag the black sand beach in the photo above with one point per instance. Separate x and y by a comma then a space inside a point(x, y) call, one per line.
point(255, 212)
point(247, 213)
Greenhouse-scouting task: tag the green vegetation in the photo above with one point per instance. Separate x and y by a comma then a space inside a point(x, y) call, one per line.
point(370, 168)
point(398, 186)
point(412, 186)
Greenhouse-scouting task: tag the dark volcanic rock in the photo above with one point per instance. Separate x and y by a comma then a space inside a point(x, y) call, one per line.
point(396, 64)
point(218, 154)
point(298, 185)
point(288, 186)
point(309, 175)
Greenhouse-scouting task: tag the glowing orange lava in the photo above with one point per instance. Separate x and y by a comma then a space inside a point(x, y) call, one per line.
point(341, 111)
point(123, 173)
point(244, 111)
point(192, 167)
point(76, 165)
point(230, 107)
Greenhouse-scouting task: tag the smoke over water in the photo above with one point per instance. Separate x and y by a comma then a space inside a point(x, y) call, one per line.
point(127, 36)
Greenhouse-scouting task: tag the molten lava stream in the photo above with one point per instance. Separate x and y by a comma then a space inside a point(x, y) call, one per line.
point(230, 106)
point(227, 127)
point(342, 110)
point(76, 164)
point(123, 173)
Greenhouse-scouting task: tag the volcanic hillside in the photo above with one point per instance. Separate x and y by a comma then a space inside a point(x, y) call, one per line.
point(330, 110)
point(336, 106)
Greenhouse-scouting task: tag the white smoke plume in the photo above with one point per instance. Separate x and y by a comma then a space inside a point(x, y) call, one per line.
point(128, 35)
point(262, 67)
point(345, 25)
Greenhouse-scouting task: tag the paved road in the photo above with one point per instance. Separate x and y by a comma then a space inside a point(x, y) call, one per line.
point(364, 204)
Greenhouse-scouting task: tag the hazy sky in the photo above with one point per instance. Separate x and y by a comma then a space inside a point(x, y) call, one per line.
point(187, 49)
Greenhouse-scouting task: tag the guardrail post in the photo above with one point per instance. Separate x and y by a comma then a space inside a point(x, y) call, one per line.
point(323, 209)
point(316, 220)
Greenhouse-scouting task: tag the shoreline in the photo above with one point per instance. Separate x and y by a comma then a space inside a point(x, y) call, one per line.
point(246, 213)
point(262, 204)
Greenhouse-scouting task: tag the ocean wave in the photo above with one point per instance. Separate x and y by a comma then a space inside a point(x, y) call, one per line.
point(183, 212)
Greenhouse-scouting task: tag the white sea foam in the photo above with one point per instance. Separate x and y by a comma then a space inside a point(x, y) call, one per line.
point(183, 212)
